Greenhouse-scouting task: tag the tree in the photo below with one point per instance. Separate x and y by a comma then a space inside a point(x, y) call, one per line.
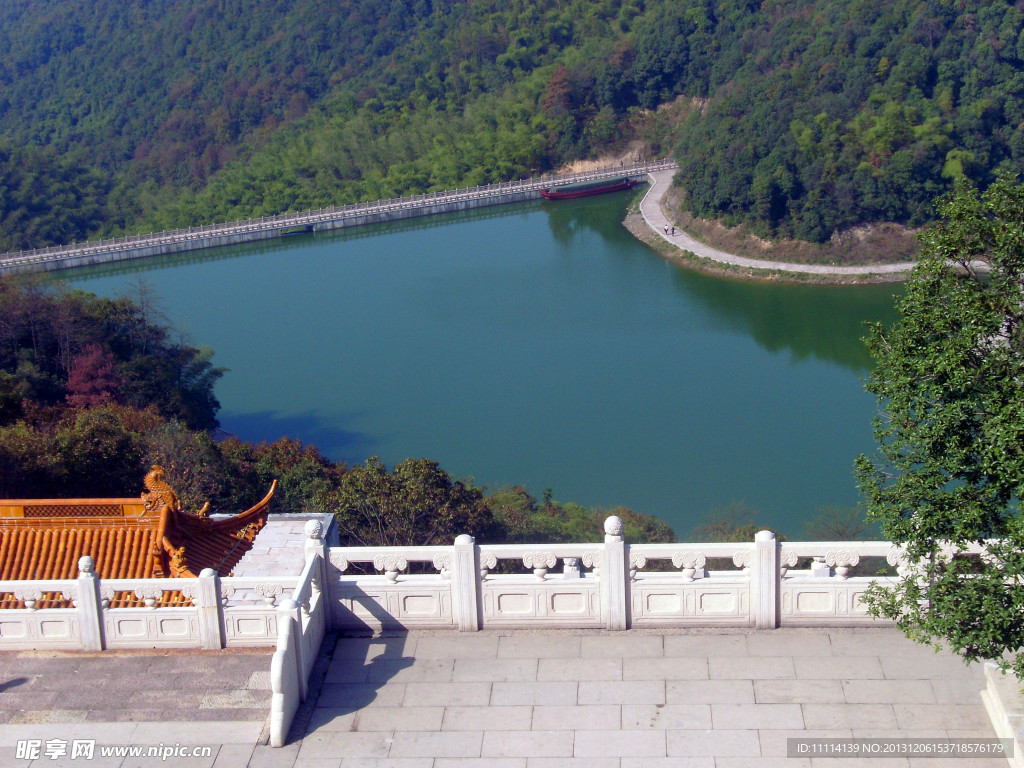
point(837, 524)
point(93, 379)
point(950, 465)
point(192, 464)
point(734, 522)
point(416, 504)
point(94, 452)
point(307, 482)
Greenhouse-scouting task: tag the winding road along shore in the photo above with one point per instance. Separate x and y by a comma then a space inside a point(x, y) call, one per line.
point(654, 215)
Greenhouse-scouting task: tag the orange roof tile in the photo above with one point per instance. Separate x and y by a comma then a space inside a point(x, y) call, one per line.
point(127, 538)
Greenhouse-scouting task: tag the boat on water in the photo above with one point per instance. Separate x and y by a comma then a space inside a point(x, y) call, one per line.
point(587, 188)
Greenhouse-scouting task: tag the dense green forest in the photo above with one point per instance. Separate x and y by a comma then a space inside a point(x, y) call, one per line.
point(796, 118)
point(94, 391)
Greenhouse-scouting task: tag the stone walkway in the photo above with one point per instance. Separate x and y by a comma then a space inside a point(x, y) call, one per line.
point(594, 699)
point(655, 217)
point(142, 698)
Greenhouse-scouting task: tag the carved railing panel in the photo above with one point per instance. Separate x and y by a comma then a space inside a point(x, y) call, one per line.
point(375, 588)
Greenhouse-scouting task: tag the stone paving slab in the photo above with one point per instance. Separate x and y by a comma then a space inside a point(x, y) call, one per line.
point(709, 691)
point(888, 691)
point(750, 667)
point(577, 717)
point(491, 718)
point(666, 717)
point(530, 646)
point(549, 670)
point(528, 743)
point(800, 691)
point(535, 693)
point(494, 670)
point(622, 692)
point(673, 668)
point(838, 668)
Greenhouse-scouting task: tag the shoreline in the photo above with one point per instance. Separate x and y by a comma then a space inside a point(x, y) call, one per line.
point(648, 224)
point(638, 227)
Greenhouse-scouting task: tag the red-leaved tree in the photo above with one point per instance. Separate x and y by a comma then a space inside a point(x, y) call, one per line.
point(93, 379)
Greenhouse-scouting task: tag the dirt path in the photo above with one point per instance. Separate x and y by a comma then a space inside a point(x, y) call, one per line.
point(650, 208)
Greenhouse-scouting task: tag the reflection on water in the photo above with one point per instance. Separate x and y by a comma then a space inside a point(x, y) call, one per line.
point(313, 428)
point(281, 245)
point(538, 344)
point(821, 322)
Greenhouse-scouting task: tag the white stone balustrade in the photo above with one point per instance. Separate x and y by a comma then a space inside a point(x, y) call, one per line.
point(302, 624)
point(205, 617)
point(609, 584)
point(466, 586)
point(57, 628)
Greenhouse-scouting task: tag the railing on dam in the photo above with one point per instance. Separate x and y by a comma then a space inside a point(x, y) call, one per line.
point(213, 235)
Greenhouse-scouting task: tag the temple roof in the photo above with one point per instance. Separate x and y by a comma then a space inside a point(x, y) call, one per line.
point(151, 536)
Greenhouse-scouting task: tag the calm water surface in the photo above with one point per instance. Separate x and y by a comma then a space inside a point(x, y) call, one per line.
point(537, 344)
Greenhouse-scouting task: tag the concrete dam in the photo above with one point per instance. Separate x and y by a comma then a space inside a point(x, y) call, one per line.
point(215, 235)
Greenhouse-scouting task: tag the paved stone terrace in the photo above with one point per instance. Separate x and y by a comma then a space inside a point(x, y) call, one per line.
point(134, 697)
point(707, 699)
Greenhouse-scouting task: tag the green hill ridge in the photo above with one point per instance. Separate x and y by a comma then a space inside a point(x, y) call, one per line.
point(796, 119)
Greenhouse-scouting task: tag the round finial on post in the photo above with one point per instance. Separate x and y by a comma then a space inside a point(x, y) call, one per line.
point(464, 538)
point(314, 529)
point(86, 565)
point(764, 536)
point(207, 573)
point(613, 528)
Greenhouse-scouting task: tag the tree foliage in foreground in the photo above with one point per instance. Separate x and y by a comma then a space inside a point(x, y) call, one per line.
point(417, 503)
point(517, 513)
point(950, 466)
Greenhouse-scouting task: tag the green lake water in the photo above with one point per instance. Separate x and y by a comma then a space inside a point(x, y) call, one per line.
point(536, 344)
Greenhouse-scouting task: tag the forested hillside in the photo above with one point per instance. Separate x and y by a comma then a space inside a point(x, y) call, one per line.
point(797, 118)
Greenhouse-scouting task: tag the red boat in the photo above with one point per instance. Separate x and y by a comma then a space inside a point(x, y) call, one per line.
point(587, 188)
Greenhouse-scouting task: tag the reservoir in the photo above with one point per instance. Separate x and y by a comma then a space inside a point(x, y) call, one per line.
point(537, 344)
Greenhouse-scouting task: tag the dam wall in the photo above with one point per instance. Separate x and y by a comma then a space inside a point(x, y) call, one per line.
point(341, 217)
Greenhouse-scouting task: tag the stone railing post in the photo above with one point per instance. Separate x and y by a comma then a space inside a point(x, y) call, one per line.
point(207, 602)
point(87, 601)
point(286, 683)
point(466, 584)
point(316, 544)
point(765, 580)
point(615, 590)
point(288, 612)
